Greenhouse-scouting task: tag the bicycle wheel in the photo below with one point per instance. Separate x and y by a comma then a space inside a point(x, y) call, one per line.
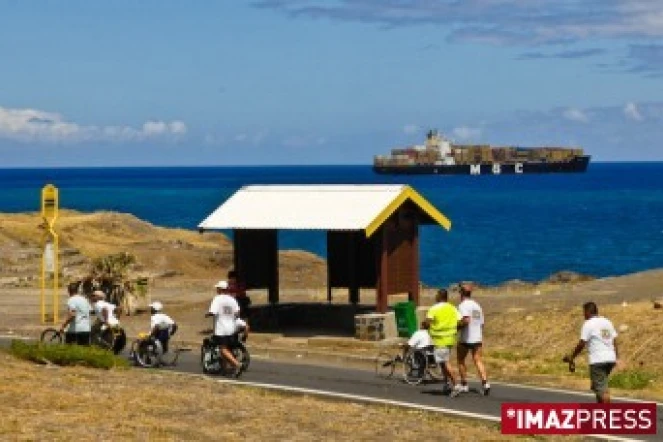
point(209, 360)
point(51, 336)
point(169, 358)
point(414, 367)
point(242, 355)
point(385, 364)
point(104, 339)
point(119, 341)
point(146, 354)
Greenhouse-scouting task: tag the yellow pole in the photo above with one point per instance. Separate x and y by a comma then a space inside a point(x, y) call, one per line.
point(43, 280)
point(56, 276)
point(49, 213)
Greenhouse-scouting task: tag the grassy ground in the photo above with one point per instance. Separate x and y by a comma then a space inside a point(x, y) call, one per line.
point(522, 345)
point(125, 404)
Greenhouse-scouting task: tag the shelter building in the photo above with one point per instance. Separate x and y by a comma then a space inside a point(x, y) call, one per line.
point(372, 234)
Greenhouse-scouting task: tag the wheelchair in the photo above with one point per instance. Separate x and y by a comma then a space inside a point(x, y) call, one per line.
point(419, 365)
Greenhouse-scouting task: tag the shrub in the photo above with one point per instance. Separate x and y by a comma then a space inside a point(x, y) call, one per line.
point(631, 379)
point(66, 355)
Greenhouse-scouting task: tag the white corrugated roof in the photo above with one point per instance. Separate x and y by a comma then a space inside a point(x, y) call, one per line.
point(309, 207)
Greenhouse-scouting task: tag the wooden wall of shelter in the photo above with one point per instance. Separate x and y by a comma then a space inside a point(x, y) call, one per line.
point(388, 260)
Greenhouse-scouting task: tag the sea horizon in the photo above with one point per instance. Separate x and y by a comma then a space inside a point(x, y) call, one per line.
point(190, 166)
point(607, 221)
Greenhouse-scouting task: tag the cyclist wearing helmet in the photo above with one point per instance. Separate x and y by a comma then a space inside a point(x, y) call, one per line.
point(162, 326)
point(225, 310)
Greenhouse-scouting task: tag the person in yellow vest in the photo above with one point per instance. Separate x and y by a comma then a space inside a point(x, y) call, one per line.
point(443, 320)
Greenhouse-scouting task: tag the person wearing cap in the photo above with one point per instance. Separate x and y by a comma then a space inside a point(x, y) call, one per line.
point(443, 319)
point(471, 337)
point(162, 326)
point(77, 324)
point(225, 310)
point(238, 289)
point(104, 310)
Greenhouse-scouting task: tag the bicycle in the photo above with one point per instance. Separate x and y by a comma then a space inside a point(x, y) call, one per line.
point(213, 362)
point(111, 338)
point(148, 352)
point(51, 336)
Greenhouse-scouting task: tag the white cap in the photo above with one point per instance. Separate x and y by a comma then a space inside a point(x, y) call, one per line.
point(156, 305)
point(99, 294)
point(222, 285)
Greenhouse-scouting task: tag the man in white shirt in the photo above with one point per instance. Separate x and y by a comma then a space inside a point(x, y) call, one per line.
point(77, 323)
point(225, 310)
point(420, 339)
point(162, 326)
point(600, 337)
point(471, 338)
point(104, 310)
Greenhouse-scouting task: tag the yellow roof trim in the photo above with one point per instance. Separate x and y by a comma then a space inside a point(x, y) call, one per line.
point(420, 201)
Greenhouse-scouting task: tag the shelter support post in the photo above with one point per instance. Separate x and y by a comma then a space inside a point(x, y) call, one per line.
point(353, 283)
point(414, 282)
point(382, 288)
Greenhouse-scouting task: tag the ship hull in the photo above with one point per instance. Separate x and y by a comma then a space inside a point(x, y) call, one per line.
point(576, 165)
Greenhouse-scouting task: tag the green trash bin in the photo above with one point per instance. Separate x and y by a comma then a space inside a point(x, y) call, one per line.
point(406, 318)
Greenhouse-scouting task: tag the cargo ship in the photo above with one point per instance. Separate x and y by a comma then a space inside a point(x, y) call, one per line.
point(440, 156)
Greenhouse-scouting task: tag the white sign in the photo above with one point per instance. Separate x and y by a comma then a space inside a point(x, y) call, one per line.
point(49, 258)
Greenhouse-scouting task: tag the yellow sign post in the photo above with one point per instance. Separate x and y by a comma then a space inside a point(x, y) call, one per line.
point(50, 246)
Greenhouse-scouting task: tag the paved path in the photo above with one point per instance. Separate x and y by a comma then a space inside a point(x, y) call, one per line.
point(365, 383)
point(355, 382)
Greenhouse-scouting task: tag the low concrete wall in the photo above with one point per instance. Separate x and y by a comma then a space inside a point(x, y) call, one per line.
point(307, 319)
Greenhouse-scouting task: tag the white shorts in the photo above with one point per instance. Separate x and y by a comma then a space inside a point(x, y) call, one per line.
point(442, 354)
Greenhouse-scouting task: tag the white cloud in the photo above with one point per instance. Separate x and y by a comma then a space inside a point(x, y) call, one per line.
point(33, 125)
point(251, 138)
point(465, 133)
point(214, 140)
point(297, 141)
point(411, 129)
point(496, 21)
point(575, 114)
point(632, 112)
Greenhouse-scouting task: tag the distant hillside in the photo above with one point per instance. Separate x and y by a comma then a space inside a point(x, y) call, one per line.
point(176, 254)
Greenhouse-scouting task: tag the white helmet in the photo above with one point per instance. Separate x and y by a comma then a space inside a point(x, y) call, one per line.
point(156, 305)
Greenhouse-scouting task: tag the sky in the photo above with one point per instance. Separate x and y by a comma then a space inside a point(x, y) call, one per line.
point(257, 82)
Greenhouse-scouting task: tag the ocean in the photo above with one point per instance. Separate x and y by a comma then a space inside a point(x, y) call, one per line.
point(607, 221)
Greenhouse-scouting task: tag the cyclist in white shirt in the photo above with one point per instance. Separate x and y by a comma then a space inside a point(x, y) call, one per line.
point(225, 310)
point(471, 339)
point(600, 337)
point(104, 310)
point(162, 326)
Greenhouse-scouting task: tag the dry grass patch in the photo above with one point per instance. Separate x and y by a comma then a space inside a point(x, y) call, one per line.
point(40, 403)
point(522, 344)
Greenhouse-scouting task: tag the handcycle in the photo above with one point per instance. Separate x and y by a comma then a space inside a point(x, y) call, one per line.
point(417, 365)
point(213, 362)
point(147, 351)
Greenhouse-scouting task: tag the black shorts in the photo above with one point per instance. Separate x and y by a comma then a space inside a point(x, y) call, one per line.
point(470, 345)
point(225, 341)
point(77, 338)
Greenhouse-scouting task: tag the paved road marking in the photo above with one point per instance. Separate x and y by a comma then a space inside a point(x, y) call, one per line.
point(368, 399)
point(574, 392)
